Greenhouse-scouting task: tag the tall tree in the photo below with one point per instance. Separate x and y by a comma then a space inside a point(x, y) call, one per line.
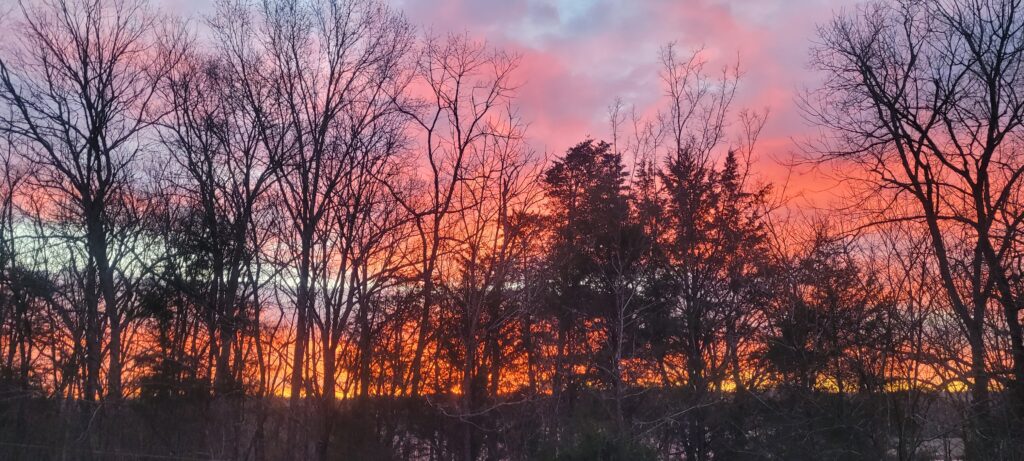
point(466, 87)
point(477, 285)
point(224, 175)
point(596, 262)
point(925, 97)
point(81, 80)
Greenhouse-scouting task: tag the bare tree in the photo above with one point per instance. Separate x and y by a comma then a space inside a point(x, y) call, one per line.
point(925, 97)
point(81, 82)
point(334, 67)
point(465, 85)
point(489, 235)
point(16, 325)
point(224, 175)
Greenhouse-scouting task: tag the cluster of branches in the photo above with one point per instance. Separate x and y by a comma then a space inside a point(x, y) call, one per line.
point(308, 200)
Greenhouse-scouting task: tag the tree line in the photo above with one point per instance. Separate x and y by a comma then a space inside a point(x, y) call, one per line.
point(305, 228)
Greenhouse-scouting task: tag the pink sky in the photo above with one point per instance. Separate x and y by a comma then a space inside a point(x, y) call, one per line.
point(579, 55)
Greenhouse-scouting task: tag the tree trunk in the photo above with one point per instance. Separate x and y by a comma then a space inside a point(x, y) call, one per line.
point(421, 341)
point(97, 247)
point(365, 353)
point(468, 394)
point(301, 327)
point(979, 411)
point(93, 347)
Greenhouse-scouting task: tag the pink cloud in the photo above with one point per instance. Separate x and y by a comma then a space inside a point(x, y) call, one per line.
point(579, 55)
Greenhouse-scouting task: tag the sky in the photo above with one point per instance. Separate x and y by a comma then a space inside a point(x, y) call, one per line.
point(578, 56)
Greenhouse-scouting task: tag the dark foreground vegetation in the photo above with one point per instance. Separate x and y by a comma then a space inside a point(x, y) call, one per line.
point(784, 425)
point(303, 229)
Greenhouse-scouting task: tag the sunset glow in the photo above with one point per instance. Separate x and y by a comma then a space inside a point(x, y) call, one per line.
point(512, 230)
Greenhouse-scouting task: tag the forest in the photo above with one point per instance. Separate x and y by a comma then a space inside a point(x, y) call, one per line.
point(316, 229)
